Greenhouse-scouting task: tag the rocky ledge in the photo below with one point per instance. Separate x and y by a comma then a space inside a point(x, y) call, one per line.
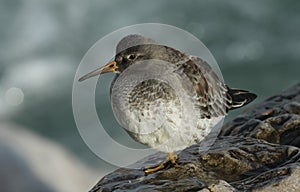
point(256, 151)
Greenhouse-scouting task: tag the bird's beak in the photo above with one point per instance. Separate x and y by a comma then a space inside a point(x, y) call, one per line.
point(110, 67)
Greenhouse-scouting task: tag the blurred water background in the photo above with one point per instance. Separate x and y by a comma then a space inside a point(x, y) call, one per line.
point(256, 44)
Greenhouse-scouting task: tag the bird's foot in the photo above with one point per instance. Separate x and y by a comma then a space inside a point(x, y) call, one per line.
point(170, 159)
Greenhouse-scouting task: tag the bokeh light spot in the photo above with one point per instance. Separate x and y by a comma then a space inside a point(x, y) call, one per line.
point(14, 96)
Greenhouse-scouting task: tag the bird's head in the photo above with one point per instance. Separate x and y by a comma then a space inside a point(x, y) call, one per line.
point(134, 48)
point(128, 57)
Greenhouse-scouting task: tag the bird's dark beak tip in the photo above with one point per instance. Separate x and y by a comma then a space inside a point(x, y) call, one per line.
point(80, 79)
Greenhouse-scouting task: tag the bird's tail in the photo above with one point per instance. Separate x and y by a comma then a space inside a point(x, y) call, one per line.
point(238, 98)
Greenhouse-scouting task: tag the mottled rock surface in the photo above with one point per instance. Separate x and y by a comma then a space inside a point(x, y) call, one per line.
point(256, 151)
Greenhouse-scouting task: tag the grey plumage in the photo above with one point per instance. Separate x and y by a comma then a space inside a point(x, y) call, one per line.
point(165, 98)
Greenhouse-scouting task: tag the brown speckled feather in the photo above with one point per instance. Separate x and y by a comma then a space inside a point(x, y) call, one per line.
point(211, 91)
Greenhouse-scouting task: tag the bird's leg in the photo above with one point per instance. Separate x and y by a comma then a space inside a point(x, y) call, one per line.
point(171, 158)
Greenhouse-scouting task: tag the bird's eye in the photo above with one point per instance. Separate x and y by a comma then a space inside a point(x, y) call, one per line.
point(131, 57)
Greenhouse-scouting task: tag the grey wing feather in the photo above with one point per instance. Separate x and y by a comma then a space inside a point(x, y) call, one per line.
point(211, 91)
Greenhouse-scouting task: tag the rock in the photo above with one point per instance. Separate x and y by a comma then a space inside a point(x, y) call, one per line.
point(220, 186)
point(32, 163)
point(276, 120)
point(256, 151)
point(288, 184)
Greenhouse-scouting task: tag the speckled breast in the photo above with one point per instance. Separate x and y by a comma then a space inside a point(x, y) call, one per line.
point(157, 106)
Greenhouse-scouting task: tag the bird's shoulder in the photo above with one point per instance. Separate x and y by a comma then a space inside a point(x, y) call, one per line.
point(209, 88)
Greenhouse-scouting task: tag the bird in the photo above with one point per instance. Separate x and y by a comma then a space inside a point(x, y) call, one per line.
point(165, 98)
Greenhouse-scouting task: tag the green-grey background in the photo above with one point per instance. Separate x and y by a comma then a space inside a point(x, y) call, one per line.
point(256, 44)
